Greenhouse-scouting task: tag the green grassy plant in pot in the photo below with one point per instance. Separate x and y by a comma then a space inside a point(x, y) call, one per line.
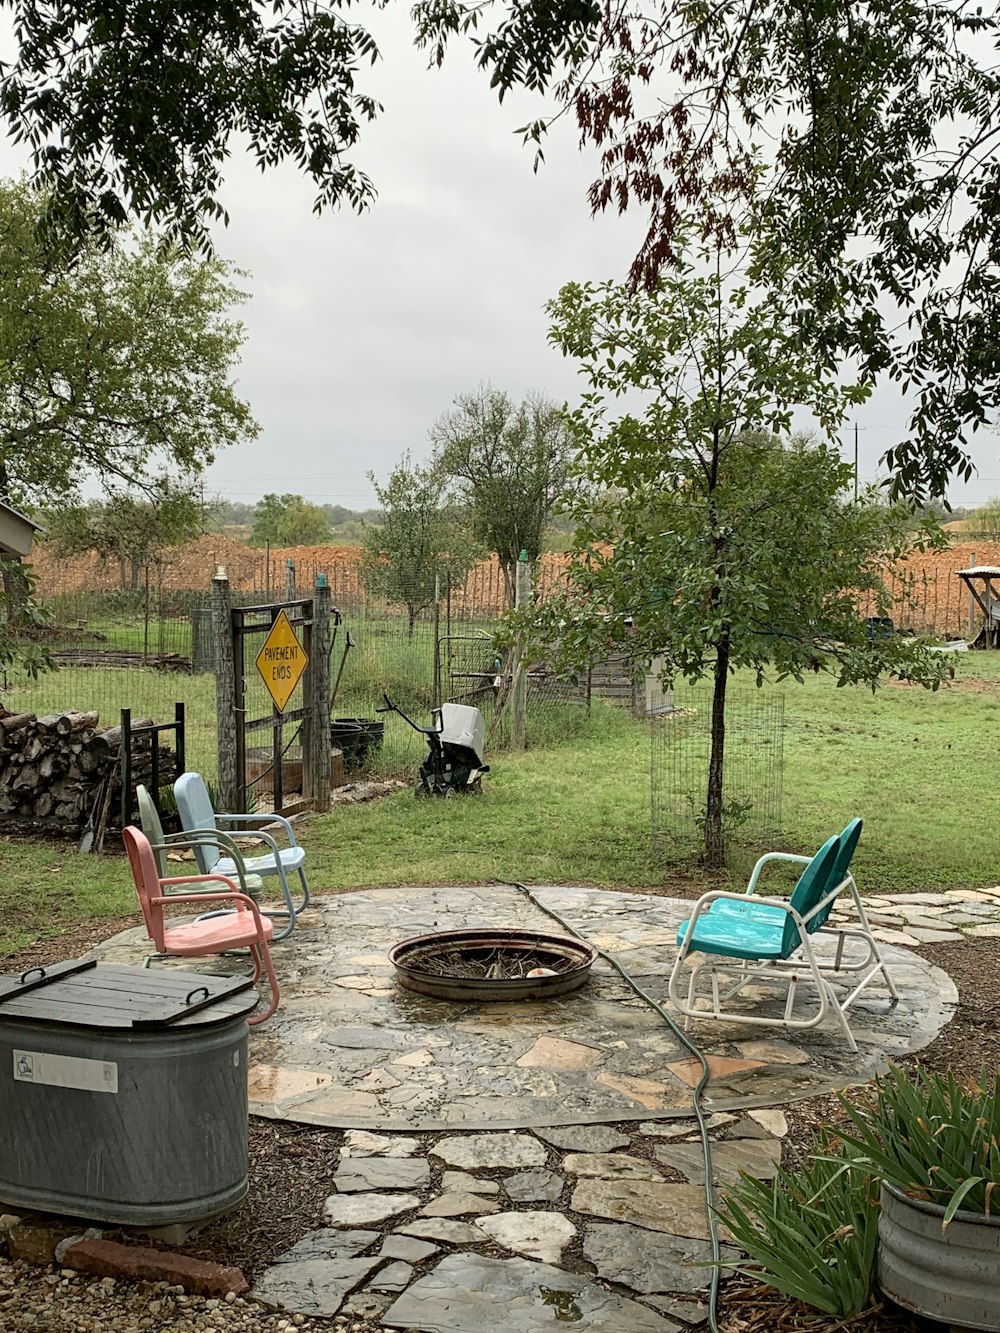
point(933, 1141)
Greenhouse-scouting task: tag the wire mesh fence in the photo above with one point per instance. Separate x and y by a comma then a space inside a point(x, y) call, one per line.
point(142, 639)
point(681, 740)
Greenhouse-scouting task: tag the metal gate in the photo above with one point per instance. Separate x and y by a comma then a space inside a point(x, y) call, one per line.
point(302, 627)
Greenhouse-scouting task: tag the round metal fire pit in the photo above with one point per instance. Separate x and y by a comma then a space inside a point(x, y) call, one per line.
point(484, 964)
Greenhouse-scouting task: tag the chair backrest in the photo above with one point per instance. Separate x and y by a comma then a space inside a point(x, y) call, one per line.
point(147, 882)
point(814, 882)
point(845, 852)
point(149, 818)
point(194, 805)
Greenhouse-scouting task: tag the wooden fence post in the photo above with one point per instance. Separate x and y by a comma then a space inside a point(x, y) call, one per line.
point(230, 781)
point(316, 724)
point(519, 683)
point(436, 696)
point(971, 604)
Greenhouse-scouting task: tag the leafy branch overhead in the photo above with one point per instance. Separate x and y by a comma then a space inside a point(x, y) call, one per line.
point(852, 148)
point(116, 368)
point(130, 107)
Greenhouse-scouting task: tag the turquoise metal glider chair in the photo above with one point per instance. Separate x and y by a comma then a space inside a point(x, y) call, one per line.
point(200, 820)
point(735, 940)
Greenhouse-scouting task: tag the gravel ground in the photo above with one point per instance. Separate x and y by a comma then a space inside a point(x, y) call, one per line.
point(291, 1167)
point(34, 1301)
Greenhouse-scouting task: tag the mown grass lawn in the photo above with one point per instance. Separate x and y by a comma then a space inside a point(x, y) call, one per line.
point(920, 768)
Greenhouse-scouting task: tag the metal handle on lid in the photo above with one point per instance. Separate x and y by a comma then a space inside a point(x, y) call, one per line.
point(198, 990)
point(25, 975)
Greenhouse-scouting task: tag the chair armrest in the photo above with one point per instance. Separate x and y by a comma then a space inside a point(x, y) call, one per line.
point(275, 819)
point(204, 837)
point(200, 879)
point(772, 856)
point(264, 837)
point(243, 903)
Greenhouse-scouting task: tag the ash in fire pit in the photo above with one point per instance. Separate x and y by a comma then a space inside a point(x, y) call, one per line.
point(487, 964)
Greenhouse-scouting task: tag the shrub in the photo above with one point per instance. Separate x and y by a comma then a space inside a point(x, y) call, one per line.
point(811, 1233)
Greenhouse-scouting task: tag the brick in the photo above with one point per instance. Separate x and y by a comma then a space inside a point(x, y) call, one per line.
point(108, 1258)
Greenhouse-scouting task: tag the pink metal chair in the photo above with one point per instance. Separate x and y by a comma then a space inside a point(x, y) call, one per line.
point(243, 928)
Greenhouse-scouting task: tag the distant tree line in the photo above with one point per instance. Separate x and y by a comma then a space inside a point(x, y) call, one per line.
point(497, 472)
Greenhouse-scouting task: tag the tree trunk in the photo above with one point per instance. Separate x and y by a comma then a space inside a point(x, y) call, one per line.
point(714, 853)
point(15, 587)
point(507, 569)
point(412, 613)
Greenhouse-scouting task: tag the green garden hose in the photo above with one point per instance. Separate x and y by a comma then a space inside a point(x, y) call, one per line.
point(696, 1096)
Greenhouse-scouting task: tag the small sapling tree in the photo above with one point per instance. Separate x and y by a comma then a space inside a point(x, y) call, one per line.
point(423, 536)
point(704, 531)
point(509, 463)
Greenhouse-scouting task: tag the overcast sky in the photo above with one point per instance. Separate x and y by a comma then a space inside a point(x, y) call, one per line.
point(362, 329)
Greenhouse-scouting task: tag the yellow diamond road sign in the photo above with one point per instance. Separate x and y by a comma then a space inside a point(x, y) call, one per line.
point(281, 661)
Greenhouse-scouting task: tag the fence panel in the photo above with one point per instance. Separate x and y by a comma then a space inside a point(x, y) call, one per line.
point(754, 772)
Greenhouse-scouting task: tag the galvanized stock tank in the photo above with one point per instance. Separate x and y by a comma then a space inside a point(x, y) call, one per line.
point(952, 1275)
point(123, 1092)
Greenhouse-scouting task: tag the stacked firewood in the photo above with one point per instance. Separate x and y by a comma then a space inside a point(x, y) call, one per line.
point(56, 768)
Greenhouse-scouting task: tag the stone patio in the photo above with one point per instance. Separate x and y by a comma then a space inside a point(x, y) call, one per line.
point(437, 1222)
point(349, 1048)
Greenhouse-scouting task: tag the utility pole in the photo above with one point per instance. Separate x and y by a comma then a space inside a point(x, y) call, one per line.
point(855, 462)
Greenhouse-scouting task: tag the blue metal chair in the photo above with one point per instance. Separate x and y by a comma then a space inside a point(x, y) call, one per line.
point(748, 940)
point(199, 819)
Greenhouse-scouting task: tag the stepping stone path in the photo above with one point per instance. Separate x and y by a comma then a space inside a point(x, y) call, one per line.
point(634, 1228)
point(462, 1199)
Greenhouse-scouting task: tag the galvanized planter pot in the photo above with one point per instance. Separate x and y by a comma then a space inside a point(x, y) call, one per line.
point(951, 1275)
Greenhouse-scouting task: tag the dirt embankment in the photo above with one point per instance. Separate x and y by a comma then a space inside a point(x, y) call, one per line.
point(927, 594)
point(251, 569)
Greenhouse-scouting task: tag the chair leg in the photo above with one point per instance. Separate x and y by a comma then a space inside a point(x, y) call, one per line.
point(838, 1009)
point(275, 914)
point(262, 956)
point(289, 910)
point(872, 941)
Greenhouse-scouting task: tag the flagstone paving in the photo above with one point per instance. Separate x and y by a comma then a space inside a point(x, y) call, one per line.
point(348, 1047)
point(488, 1230)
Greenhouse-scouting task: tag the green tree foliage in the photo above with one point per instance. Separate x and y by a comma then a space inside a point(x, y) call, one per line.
point(854, 145)
point(510, 462)
point(129, 107)
point(288, 520)
point(115, 368)
point(228, 514)
point(131, 529)
point(22, 624)
point(424, 536)
point(701, 534)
